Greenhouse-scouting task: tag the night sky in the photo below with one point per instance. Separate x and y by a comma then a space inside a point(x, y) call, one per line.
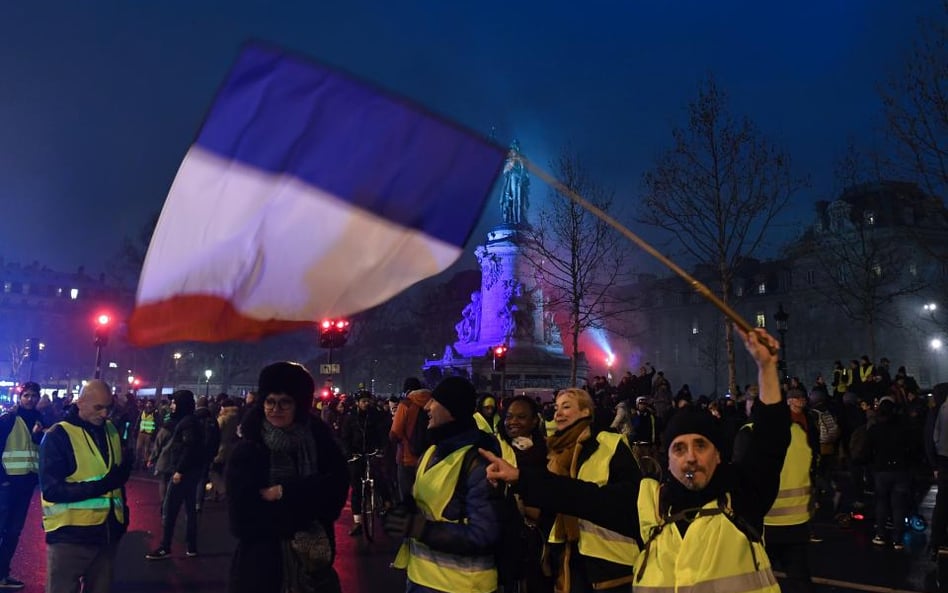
point(99, 101)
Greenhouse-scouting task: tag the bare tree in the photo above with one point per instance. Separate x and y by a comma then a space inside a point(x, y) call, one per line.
point(578, 258)
point(916, 105)
point(717, 191)
point(866, 257)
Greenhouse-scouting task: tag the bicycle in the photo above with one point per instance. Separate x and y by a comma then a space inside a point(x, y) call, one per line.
point(646, 455)
point(370, 497)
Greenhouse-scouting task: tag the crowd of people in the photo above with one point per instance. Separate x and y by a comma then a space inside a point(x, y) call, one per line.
point(606, 488)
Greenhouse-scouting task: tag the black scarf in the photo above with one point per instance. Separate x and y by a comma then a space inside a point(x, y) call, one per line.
point(292, 451)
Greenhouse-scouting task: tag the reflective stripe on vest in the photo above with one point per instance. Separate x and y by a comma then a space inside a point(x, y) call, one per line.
point(792, 506)
point(865, 372)
point(147, 424)
point(713, 557)
point(596, 541)
point(433, 490)
point(20, 455)
point(90, 466)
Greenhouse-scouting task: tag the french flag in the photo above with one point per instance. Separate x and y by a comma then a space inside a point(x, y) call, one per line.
point(306, 194)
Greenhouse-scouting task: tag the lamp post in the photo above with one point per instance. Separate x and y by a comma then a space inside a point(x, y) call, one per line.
point(781, 317)
point(176, 357)
point(131, 381)
point(207, 382)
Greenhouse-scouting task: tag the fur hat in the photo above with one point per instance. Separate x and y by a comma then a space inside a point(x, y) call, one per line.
point(692, 421)
point(459, 396)
point(290, 378)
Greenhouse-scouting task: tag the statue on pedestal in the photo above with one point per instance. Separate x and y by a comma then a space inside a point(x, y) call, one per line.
point(514, 196)
point(469, 327)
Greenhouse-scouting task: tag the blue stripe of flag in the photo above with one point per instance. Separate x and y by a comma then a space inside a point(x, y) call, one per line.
point(284, 114)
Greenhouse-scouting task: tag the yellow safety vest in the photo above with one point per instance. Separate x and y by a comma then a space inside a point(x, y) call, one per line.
point(793, 500)
point(507, 452)
point(484, 425)
point(865, 373)
point(434, 487)
point(596, 541)
point(147, 424)
point(713, 556)
point(550, 427)
point(20, 455)
point(90, 466)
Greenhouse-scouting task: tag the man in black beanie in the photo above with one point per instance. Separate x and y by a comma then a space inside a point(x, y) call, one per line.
point(455, 511)
point(716, 506)
point(185, 452)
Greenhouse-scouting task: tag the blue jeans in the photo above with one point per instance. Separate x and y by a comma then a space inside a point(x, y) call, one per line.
point(15, 497)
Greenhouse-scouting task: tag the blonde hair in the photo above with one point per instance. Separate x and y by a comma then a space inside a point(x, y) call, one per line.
point(583, 399)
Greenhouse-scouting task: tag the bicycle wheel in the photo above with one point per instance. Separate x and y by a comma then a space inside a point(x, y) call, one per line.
point(368, 509)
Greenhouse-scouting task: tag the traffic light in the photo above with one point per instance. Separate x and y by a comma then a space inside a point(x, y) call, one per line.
point(333, 333)
point(102, 326)
point(500, 357)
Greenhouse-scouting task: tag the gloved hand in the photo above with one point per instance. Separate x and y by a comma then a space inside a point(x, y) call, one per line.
point(404, 522)
point(117, 476)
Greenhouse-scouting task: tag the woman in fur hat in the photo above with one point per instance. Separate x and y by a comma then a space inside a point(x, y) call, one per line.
point(286, 473)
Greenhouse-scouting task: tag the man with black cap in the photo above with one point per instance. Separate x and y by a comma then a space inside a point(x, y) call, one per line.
point(186, 464)
point(21, 430)
point(454, 525)
point(702, 525)
point(363, 434)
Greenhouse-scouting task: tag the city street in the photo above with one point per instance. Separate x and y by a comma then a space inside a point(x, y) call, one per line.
point(845, 561)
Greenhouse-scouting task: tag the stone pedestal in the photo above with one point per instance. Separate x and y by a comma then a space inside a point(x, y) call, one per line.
point(508, 309)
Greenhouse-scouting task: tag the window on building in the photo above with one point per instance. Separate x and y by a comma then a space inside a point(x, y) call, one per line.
point(695, 330)
point(877, 270)
point(739, 290)
point(59, 292)
point(811, 277)
point(869, 217)
point(761, 319)
point(762, 288)
point(74, 293)
point(913, 269)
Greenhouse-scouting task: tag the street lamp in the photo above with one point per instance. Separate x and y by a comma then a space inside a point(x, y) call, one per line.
point(781, 317)
point(207, 383)
point(131, 381)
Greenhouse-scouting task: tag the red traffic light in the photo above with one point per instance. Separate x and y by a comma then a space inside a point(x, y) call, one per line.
point(333, 333)
point(325, 393)
point(500, 350)
point(103, 319)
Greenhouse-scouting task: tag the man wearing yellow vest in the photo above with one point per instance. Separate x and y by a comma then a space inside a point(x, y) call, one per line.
point(702, 524)
point(149, 421)
point(82, 478)
point(20, 432)
point(486, 415)
point(787, 524)
point(453, 529)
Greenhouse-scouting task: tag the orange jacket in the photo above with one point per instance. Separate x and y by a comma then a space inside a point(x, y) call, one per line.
point(404, 423)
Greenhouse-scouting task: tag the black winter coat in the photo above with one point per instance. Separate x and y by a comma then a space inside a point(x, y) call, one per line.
point(259, 526)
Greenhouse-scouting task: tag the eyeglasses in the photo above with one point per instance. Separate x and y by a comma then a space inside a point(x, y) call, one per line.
point(280, 404)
